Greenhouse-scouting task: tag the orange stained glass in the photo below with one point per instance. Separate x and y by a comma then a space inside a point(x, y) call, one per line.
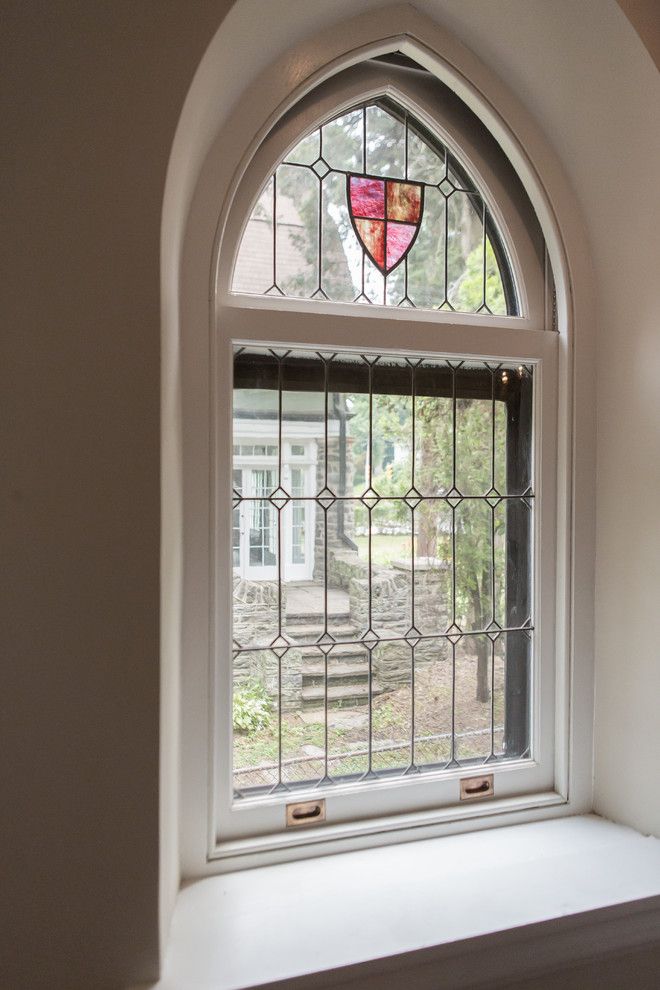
point(404, 201)
point(372, 235)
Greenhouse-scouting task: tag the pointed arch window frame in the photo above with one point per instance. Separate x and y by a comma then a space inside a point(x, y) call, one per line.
point(503, 222)
point(250, 319)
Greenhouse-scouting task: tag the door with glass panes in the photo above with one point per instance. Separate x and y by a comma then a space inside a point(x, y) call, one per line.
point(255, 522)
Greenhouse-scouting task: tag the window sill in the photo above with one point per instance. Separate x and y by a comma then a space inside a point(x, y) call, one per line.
point(486, 906)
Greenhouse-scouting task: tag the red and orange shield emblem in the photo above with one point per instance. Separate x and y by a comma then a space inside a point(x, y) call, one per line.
point(386, 215)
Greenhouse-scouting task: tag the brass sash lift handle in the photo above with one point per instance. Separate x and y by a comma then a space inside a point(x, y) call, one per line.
point(314, 812)
point(477, 787)
point(305, 813)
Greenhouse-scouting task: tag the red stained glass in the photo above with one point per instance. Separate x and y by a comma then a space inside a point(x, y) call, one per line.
point(372, 235)
point(367, 197)
point(386, 215)
point(399, 239)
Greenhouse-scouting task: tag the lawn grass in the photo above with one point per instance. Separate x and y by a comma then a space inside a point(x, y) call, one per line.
point(385, 548)
point(303, 743)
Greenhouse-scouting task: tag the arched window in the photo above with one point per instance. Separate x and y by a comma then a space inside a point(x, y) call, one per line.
point(383, 305)
point(372, 207)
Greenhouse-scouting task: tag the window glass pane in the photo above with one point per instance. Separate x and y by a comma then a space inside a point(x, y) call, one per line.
point(382, 586)
point(298, 198)
point(306, 151)
point(386, 140)
point(343, 142)
point(465, 286)
point(341, 254)
point(425, 164)
point(254, 265)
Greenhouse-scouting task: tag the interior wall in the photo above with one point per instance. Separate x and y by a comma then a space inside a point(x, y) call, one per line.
point(91, 97)
point(91, 94)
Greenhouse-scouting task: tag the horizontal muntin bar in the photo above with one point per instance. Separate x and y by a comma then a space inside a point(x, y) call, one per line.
point(372, 645)
point(381, 498)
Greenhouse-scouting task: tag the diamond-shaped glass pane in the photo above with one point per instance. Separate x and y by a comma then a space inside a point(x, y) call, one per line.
point(454, 633)
point(493, 630)
point(321, 167)
point(454, 497)
point(280, 645)
point(412, 498)
point(279, 498)
point(446, 187)
point(413, 635)
point(493, 497)
point(370, 498)
point(326, 498)
point(370, 638)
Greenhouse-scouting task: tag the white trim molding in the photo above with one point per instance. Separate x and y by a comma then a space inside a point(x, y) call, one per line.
point(480, 909)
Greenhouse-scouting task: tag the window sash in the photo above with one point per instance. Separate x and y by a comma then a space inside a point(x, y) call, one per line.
point(350, 808)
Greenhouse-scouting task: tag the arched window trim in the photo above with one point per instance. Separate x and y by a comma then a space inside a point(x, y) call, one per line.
point(367, 81)
point(243, 319)
point(190, 239)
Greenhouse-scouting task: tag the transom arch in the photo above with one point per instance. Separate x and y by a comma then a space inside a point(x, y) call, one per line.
point(476, 247)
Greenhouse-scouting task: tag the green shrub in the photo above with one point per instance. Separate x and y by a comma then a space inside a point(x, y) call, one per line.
point(251, 707)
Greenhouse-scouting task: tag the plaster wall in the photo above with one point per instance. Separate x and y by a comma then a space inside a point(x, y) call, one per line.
point(91, 97)
point(91, 94)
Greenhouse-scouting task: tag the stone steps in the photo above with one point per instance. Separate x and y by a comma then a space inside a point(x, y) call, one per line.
point(348, 667)
point(313, 674)
point(340, 696)
point(342, 650)
point(312, 631)
point(316, 618)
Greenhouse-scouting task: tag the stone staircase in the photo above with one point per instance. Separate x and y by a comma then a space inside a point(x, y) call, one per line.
point(348, 663)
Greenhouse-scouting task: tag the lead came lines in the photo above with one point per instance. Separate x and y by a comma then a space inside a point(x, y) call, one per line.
point(456, 183)
point(373, 639)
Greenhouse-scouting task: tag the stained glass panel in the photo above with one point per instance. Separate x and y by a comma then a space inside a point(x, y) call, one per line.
point(372, 236)
point(371, 208)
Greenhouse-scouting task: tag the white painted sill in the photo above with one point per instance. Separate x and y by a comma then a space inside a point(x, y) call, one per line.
point(478, 908)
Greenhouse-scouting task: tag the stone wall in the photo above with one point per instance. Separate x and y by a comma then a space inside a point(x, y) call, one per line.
point(255, 620)
point(391, 605)
point(341, 514)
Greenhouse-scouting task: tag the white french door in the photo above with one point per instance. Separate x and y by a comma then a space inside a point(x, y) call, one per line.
point(298, 524)
point(255, 538)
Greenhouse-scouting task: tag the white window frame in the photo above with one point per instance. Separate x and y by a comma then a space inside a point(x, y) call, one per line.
point(257, 827)
point(204, 179)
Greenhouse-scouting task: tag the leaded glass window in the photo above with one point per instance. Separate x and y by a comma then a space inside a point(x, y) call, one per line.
point(408, 648)
point(388, 619)
point(373, 208)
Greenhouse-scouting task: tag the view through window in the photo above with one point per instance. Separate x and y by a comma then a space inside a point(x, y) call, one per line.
point(382, 562)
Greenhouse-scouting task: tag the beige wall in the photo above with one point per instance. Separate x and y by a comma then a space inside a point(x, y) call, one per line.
point(92, 92)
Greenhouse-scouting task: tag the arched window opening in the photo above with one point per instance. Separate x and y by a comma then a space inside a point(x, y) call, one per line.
point(385, 547)
point(371, 207)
